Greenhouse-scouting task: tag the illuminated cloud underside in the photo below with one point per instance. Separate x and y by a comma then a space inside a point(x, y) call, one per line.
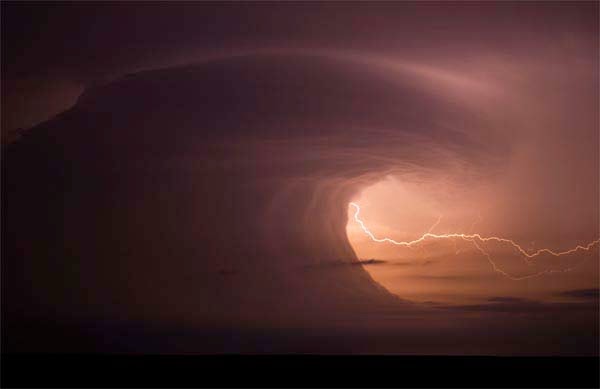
point(477, 241)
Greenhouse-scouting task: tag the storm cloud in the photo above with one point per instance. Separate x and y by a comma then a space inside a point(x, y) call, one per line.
point(200, 182)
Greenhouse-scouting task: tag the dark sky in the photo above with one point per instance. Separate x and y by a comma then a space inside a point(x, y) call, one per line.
point(60, 46)
point(187, 169)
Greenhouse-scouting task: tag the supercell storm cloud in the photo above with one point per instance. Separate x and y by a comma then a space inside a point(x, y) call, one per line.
point(204, 188)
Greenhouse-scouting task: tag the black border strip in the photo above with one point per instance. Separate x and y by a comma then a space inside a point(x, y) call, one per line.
point(96, 370)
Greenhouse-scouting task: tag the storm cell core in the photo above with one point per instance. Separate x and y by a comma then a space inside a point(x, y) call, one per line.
point(451, 248)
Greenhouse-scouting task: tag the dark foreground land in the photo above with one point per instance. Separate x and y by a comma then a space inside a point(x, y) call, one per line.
point(103, 370)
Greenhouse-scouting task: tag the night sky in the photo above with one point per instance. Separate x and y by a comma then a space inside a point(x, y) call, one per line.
point(180, 178)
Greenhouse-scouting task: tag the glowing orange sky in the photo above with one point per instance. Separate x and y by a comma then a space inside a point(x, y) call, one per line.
point(452, 271)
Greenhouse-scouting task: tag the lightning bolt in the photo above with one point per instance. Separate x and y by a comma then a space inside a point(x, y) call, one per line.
point(479, 218)
point(476, 239)
point(434, 224)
